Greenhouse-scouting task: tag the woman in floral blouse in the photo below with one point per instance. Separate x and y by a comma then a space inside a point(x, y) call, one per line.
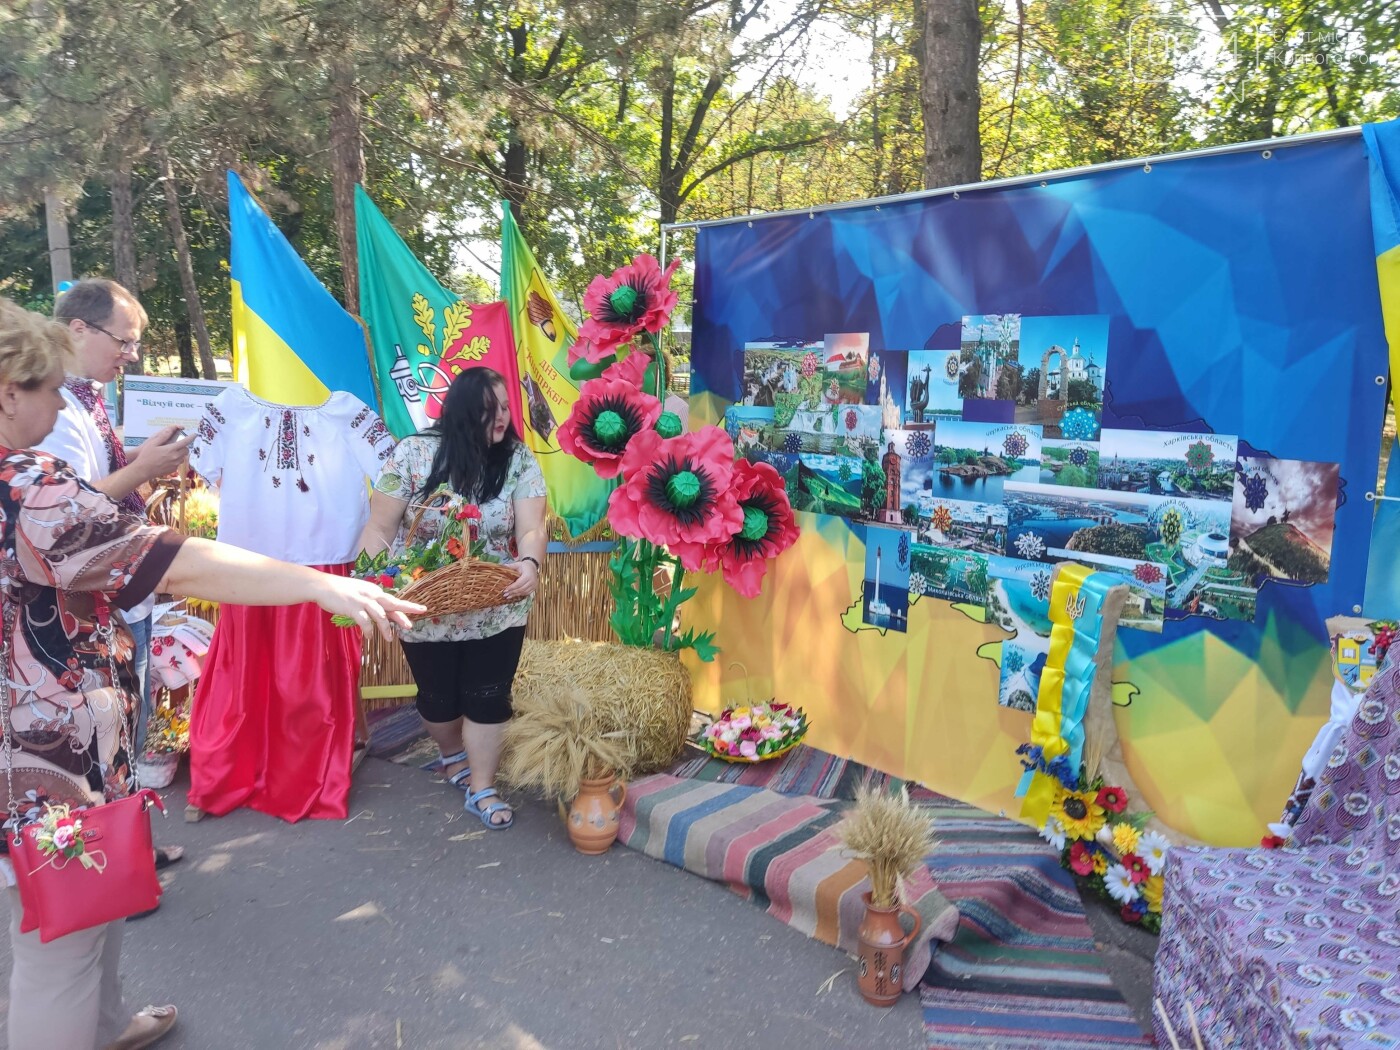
point(472, 463)
point(69, 558)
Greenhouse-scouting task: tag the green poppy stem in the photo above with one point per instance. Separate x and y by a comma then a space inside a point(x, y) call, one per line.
point(671, 607)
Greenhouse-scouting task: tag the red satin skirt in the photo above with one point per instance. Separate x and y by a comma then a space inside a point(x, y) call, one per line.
point(272, 725)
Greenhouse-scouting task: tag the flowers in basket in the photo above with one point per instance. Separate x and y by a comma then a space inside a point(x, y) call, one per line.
point(682, 503)
point(1110, 850)
point(459, 540)
point(168, 731)
point(754, 732)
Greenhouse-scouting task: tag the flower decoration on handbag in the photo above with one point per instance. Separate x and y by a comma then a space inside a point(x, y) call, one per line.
point(60, 837)
point(754, 732)
point(683, 503)
point(1109, 849)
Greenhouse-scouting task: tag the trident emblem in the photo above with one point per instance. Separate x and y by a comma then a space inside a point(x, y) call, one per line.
point(1074, 605)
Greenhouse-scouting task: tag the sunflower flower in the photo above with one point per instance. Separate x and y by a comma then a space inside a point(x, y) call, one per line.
point(1078, 813)
point(1152, 893)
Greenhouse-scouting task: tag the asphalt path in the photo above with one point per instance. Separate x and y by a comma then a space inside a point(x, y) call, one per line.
point(411, 926)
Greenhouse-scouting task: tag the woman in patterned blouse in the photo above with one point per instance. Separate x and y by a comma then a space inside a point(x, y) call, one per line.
point(68, 554)
point(471, 463)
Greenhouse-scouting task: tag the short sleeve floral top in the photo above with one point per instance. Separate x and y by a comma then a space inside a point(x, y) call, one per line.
point(66, 552)
point(403, 475)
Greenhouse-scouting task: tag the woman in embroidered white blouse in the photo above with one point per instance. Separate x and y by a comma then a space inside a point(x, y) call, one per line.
point(464, 665)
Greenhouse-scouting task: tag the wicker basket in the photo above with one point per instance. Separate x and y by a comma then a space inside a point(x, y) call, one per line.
point(156, 769)
point(463, 586)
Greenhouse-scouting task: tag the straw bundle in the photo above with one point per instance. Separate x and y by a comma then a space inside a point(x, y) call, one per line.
point(574, 599)
point(642, 692)
point(891, 835)
point(560, 740)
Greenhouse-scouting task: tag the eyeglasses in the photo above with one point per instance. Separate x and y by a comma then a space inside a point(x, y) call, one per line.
point(129, 346)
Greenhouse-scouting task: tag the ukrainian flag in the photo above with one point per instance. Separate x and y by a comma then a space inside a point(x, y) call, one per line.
point(292, 342)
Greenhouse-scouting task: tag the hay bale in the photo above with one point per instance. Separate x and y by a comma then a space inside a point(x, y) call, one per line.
point(645, 692)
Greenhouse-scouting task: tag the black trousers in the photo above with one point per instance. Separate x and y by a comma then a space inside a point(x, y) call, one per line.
point(469, 679)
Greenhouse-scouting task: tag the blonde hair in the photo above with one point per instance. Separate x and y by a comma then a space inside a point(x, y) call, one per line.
point(31, 346)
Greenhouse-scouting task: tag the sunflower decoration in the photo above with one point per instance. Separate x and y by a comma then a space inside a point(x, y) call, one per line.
point(942, 518)
point(1078, 812)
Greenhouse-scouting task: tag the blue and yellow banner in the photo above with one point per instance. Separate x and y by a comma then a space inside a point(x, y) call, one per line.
point(1219, 316)
point(292, 342)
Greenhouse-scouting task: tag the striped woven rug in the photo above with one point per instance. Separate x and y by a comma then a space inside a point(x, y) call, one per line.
point(802, 771)
point(1022, 972)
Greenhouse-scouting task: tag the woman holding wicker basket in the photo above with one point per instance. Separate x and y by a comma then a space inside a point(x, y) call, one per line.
point(471, 465)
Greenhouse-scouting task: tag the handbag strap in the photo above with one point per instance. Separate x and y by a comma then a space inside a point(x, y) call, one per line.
point(7, 622)
point(105, 635)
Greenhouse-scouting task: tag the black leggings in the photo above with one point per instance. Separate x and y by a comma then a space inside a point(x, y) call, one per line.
point(469, 679)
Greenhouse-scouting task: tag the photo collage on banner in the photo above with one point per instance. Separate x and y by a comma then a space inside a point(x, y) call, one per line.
point(973, 471)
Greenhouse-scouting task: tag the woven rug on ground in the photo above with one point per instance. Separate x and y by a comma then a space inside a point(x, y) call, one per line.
point(777, 851)
point(1022, 972)
point(802, 771)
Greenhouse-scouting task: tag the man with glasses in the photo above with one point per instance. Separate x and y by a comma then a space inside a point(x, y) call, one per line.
point(104, 323)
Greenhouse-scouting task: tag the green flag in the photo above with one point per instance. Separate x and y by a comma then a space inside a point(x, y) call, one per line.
point(543, 335)
point(422, 334)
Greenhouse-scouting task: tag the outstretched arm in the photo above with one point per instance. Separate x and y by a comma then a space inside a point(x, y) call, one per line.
point(223, 573)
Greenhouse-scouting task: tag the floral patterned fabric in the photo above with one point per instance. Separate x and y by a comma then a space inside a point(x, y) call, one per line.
point(404, 474)
point(1299, 947)
point(66, 550)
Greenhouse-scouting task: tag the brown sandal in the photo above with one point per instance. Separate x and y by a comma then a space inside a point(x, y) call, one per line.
point(147, 1028)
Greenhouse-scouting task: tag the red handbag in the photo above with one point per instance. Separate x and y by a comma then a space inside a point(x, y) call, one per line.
point(113, 874)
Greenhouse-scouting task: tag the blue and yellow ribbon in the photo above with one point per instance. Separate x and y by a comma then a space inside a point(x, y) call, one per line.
point(1076, 615)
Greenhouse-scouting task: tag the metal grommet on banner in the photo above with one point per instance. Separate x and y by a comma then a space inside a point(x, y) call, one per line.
point(957, 195)
point(1266, 154)
point(877, 207)
point(1147, 167)
point(1043, 183)
point(750, 224)
point(1380, 380)
point(1370, 497)
point(1356, 608)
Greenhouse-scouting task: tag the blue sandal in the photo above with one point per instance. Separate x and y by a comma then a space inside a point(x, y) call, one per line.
point(495, 807)
point(460, 779)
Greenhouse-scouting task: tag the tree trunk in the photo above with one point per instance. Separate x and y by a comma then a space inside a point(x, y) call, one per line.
point(176, 222)
point(124, 235)
point(60, 252)
point(347, 171)
point(185, 345)
point(949, 93)
point(516, 162)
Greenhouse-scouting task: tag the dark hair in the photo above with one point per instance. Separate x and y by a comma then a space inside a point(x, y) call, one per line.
point(465, 458)
point(93, 299)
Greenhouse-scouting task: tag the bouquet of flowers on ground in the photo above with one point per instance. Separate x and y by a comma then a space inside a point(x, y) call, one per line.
point(754, 732)
point(458, 540)
point(1108, 848)
point(683, 503)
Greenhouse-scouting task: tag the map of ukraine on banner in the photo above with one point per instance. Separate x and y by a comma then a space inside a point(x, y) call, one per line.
point(423, 335)
point(543, 336)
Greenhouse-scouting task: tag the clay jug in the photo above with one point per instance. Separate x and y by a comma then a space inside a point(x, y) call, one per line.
point(882, 946)
point(593, 815)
